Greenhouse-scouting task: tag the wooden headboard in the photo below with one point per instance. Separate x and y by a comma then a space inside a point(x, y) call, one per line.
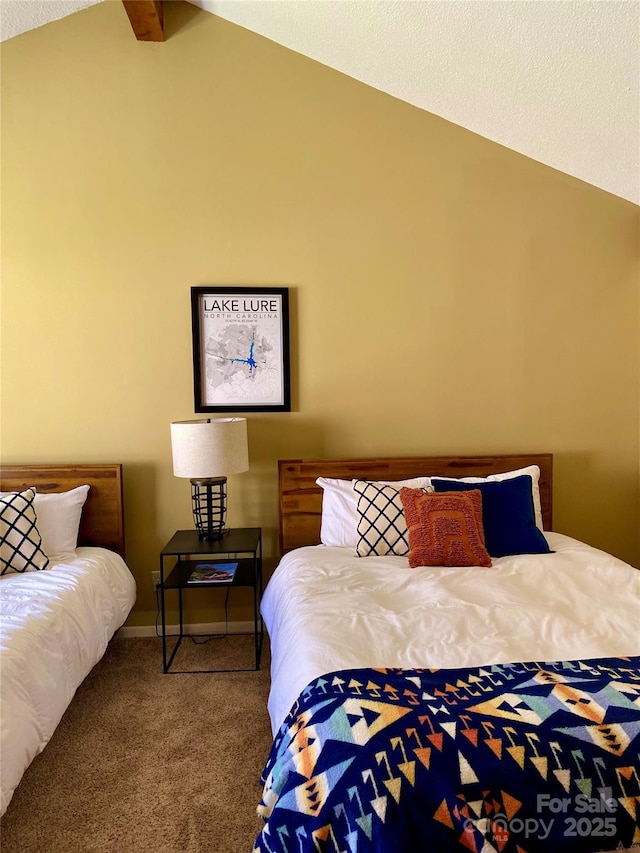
point(102, 522)
point(300, 498)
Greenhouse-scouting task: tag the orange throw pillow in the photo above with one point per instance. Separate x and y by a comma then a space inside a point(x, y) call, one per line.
point(445, 528)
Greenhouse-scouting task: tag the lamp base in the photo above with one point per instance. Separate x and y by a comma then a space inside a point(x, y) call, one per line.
point(212, 535)
point(209, 502)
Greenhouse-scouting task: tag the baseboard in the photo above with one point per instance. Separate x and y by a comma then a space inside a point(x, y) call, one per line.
point(198, 628)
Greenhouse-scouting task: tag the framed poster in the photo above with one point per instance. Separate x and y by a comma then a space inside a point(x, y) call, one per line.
point(241, 349)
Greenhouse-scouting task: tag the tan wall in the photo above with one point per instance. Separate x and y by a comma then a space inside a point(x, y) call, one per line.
point(448, 294)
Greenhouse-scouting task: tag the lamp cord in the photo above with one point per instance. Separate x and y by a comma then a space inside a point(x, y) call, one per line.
point(205, 637)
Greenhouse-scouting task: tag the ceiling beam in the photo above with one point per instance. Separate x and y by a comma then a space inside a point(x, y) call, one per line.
point(145, 17)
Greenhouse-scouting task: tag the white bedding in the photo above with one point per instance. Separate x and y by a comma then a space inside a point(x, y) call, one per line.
point(54, 627)
point(326, 610)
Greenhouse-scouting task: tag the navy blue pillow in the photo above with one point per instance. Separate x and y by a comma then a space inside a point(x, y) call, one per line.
point(507, 514)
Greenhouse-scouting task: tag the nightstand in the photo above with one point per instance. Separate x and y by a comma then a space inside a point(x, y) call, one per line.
point(241, 545)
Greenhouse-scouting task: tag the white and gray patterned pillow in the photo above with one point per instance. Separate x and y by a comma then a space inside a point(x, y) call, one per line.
point(382, 528)
point(20, 540)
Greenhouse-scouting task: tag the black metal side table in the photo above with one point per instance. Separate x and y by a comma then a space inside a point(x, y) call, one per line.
point(241, 545)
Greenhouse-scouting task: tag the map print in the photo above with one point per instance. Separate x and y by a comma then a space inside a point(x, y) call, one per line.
point(238, 363)
point(242, 352)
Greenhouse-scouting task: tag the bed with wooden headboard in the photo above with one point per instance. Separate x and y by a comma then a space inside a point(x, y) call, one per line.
point(102, 522)
point(300, 498)
point(55, 622)
point(429, 707)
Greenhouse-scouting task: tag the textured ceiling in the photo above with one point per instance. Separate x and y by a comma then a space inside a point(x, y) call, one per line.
point(557, 80)
point(18, 16)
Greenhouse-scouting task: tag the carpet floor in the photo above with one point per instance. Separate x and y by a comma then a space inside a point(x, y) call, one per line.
point(149, 763)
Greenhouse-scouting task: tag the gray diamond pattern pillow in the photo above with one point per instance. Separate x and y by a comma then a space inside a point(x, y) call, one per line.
point(382, 528)
point(20, 540)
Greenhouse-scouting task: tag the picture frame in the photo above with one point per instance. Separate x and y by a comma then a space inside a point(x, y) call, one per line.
point(241, 349)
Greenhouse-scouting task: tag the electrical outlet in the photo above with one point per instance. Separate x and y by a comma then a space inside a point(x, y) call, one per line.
point(155, 578)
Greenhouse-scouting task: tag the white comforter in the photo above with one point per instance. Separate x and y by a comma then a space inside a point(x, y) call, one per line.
point(54, 627)
point(327, 610)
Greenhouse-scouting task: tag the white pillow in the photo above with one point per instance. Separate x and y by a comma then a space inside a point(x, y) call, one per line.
point(532, 470)
point(339, 527)
point(59, 520)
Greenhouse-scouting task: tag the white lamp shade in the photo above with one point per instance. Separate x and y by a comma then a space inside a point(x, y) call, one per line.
point(213, 447)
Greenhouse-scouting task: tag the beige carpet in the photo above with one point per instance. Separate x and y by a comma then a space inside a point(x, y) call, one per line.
point(149, 763)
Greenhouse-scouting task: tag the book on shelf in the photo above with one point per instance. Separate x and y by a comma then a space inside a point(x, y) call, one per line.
point(212, 573)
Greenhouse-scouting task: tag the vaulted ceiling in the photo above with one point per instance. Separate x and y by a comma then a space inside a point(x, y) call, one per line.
point(556, 80)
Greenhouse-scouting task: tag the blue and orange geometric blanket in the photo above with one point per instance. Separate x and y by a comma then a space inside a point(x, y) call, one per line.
point(512, 758)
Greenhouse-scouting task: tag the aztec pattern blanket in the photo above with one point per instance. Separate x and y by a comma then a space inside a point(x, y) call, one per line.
point(513, 758)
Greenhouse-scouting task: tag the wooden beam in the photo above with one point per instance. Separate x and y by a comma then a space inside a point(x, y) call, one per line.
point(146, 19)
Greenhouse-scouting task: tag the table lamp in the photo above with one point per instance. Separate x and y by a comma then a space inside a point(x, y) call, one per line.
point(205, 451)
